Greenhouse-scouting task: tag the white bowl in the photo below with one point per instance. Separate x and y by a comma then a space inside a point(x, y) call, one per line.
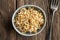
point(17, 12)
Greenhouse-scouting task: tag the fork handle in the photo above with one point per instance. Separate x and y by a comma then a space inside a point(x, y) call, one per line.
point(51, 25)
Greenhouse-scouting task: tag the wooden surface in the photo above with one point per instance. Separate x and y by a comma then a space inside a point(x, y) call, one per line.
point(7, 8)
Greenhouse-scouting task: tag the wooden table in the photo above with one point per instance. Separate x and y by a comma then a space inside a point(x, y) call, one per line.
point(7, 8)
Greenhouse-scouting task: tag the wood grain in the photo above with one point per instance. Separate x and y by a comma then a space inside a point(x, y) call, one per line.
point(3, 34)
point(40, 3)
point(56, 25)
point(20, 3)
point(7, 8)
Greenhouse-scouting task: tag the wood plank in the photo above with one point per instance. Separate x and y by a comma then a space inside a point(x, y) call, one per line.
point(12, 35)
point(59, 22)
point(7, 8)
point(56, 26)
point(3, 33)
point(20, 3)
point(43, 4)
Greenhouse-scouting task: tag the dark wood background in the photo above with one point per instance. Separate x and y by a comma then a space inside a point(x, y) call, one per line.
point(7, 8)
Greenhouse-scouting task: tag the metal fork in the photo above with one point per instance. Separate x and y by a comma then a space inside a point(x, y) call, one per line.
point(54, 8)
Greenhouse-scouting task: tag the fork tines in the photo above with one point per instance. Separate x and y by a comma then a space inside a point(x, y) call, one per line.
point(54, 2)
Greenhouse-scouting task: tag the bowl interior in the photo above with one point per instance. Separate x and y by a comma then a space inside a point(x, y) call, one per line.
point(26, 6)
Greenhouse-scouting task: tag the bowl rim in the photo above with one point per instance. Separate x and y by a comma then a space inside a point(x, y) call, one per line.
point(21, 32)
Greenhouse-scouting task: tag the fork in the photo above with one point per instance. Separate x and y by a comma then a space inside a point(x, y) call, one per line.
point(54, 7)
